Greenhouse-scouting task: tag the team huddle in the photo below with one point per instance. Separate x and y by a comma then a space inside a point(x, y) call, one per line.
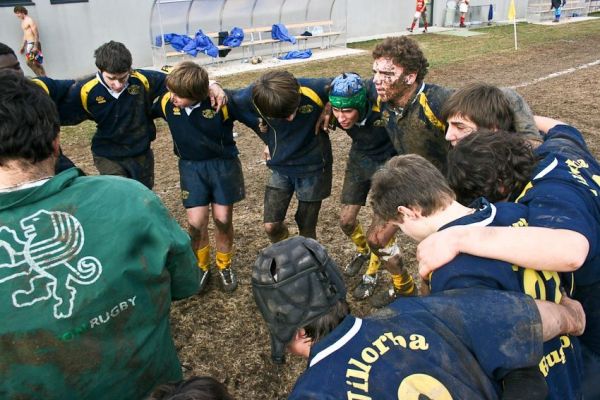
point(493, 194)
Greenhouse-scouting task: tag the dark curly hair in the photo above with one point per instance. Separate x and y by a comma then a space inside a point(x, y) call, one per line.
point(404, 52)
point(496, 165)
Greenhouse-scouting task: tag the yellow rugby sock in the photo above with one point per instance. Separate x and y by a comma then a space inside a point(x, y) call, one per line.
point(359, 239)
point(223, 260)
point(203, 255)
point(374, 264)
point(404, 283)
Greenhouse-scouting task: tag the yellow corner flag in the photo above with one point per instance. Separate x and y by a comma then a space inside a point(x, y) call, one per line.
point(512, 13)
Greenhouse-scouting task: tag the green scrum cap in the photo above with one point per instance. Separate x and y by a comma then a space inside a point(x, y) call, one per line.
point(348, 91)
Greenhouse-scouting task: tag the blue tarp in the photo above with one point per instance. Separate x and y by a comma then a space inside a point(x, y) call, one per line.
point(235, 37)
point(296, 54)
point(280, 32)
point(192, 46)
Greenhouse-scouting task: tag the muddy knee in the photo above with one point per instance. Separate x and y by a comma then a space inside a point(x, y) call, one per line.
point(276, 231)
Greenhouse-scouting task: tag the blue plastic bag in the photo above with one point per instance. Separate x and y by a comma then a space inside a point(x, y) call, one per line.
point(296, 54)
point(235, 38)
point(280, 32)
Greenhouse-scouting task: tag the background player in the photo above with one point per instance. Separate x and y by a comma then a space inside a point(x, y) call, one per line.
point(210, 171)
point(31, 41)
point(463, 9)
point(420, 12)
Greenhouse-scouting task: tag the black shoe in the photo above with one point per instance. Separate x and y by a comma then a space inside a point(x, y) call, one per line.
point(409, 29)
point(425, 30)
point(204, 278)
point(356, 264)
point(229, 280)
point(462, 26)
point(366, 287)
point(385, 297)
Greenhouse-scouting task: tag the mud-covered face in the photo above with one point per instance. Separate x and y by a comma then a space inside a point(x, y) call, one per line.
point(9, 61)
point(390, 81)
point(346, 117)
point(459, 127)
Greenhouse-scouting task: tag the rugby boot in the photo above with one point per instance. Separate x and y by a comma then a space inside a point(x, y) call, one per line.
point(385, 297)
point(229, 280)
point(204, 278)
point(366, 287)
point(356, 264)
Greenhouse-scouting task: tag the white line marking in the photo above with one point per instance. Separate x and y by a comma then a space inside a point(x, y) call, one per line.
point(555, 74)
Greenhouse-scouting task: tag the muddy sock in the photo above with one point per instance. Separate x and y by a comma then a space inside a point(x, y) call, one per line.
point(223, 260)
point(404, 283)
point(203, 255)
point(374, 264)
point(359, 239)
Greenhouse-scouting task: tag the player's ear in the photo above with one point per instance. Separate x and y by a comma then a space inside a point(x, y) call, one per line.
point(56, 146)
point(406, 212)
point(410, 78)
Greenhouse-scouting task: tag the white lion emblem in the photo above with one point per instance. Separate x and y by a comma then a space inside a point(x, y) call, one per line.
point(44, 264)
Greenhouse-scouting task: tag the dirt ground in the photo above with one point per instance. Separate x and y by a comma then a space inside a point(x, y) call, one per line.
point(222, 335)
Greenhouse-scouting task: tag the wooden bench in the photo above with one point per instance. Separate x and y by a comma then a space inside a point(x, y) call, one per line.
point(261, 36)
point(326, 33)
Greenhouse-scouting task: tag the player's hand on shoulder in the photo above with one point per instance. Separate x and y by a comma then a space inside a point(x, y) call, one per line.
point(437, 250)
point(324, 120)
point(218, 97)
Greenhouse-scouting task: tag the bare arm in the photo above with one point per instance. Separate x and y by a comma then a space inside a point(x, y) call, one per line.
point(567, 317)
point(542, 249)
point(35, 33)
point(544, 124)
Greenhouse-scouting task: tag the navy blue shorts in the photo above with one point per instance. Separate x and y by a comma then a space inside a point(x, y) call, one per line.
point(218, 181)
point(311, 188)
point(357, 178)
point(140, 168)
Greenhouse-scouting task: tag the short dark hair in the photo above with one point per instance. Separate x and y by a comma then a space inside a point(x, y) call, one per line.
point(4, 49)
point(20, 9)
point(404, 52)
point(113, 57)
point(324, 324)
point(194, 388)
point(28, 120)
point(495, 165)
point(485, 105)
point(188, 80)
point(276, 94)
point(410, 181)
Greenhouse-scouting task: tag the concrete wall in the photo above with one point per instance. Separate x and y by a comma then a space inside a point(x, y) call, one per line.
point(70, 32)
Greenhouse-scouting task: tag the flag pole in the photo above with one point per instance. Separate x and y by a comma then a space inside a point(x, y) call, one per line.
point(512, 14)
point(515, 32)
